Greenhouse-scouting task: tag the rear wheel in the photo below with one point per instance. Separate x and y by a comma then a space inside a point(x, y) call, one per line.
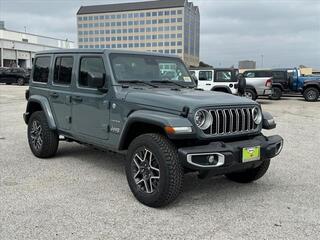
point(43, 141)
point(251, 174)
point(154, 173)
point(276, 93)
point(249, 93)
point(311, 94)
point(20, 81)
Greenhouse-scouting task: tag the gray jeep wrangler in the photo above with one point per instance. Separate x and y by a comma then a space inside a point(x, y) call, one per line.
point(126, 102)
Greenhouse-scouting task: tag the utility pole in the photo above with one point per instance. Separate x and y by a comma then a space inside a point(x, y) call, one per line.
point(262, 60)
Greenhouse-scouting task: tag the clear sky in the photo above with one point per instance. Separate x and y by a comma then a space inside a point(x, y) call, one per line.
point(285, 32)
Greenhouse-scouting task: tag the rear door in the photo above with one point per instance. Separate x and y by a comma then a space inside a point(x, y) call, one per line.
point(90, 107)
point(60, 96)
point(205, 79)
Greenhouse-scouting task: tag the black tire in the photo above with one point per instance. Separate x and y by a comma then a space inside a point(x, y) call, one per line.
point(250, 93)
point(311, 94)
point(170, 175)
point(48, 145)
point(251, 174)
point(20, 81)
point(276, 93)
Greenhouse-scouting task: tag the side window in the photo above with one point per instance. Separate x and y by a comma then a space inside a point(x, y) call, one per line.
point(279, 75)
point(193, 73)
point(90, 65)
point(63, 70)
point(205, 76)
point(41, 69)
point(264, 74)
point(224, 76)
point(249, 75)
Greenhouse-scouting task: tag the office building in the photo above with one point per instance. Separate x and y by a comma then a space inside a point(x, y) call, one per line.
point(165, 26)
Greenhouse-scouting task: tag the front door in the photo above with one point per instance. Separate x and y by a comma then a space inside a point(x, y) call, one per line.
point(205, 79)
point(90, 107)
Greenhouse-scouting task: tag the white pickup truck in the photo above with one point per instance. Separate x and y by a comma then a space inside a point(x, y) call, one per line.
point(216, 79)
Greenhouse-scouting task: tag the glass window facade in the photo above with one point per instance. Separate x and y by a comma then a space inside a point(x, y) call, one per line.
point(171, 31)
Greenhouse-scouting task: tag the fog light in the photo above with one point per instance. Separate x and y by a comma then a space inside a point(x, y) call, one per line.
point(212, 160)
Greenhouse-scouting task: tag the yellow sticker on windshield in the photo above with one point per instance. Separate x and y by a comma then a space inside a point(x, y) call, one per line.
point(187, 79)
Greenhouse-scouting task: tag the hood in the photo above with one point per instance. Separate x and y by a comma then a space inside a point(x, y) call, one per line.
point(176, 100)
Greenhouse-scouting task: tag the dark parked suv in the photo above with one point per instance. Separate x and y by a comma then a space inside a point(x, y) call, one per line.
point(124, 102)
point(18, 76)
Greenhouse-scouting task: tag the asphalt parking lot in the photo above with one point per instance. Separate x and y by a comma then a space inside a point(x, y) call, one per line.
point(82, 193)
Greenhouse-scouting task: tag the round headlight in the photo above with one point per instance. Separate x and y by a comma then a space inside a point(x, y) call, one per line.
point(256, 115)
point(203, 119)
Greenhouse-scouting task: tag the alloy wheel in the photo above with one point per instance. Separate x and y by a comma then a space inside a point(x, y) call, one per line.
point(248, 95)
point(311, 95)
point(36, 135)
point(145, 170)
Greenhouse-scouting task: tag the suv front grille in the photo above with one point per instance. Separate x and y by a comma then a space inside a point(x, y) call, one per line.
point(231, 121)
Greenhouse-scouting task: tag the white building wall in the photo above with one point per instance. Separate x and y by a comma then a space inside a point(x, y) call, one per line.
point(17, 48)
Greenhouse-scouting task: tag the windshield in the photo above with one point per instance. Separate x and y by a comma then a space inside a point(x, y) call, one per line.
point(148, 68)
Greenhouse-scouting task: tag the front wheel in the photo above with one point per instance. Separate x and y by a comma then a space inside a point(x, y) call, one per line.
point(251, 174)
point(311, 94)
point(154, 173)
point(43, 141)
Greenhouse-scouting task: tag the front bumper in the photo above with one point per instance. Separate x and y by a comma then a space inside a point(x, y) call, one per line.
point(228, 156)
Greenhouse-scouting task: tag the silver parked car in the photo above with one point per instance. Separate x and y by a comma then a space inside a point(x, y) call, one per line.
point(259, 83)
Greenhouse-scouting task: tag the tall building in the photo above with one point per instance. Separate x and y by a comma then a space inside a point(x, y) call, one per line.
point(19, 48)
point(165, 26)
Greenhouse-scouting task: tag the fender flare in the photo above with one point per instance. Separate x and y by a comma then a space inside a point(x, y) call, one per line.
point(159, 119)
point(249, 86)
point(44, 103)
point(278, 85)
point(314, 83)
point(222, 87)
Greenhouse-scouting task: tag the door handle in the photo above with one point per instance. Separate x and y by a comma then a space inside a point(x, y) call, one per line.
point(54, 95)
point(208, 84)
point(77, 99)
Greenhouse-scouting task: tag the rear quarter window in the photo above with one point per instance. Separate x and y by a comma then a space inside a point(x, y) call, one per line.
point(41, 69)
point(263, 74)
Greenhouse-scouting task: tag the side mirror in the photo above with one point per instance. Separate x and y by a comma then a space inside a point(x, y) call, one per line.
point(242, 84)
point(96, 80)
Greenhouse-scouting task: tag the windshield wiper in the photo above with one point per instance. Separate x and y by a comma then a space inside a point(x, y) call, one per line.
point(167, 81)
point(138, 81)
